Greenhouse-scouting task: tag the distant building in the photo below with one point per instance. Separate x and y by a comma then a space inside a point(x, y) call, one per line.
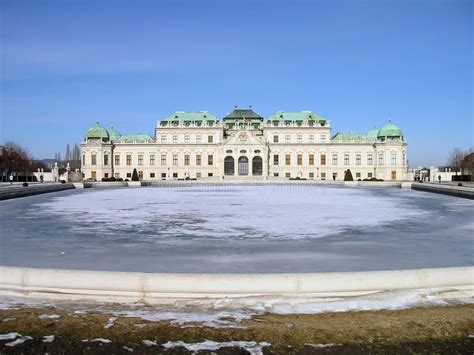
point(243, 144)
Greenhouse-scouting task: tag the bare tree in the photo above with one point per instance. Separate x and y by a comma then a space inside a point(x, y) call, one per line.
point(455, 160)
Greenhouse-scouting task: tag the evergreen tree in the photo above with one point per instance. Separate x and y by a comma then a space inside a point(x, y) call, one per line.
point(135, 175)
point(68, 153)
point(348, 175)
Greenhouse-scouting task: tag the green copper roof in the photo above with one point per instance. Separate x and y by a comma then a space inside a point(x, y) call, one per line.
point(390, 130)
point(97, 132)
point(295, 116)
point(190, 116)
point(344, 137)
point(114, 134)
point(129, 138)
point(373, 134)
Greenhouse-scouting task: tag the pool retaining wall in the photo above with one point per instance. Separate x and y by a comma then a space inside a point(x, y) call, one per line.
point(15, 191)
point(159, 287)
point(458, 191)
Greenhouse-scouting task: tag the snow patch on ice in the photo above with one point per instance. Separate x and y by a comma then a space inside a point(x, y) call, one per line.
point(208, 213)
point(252, 347)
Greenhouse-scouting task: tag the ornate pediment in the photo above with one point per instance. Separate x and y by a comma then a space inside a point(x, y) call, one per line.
point(244, 137)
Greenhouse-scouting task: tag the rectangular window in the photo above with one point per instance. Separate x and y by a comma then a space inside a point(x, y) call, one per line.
point(346, 159)
point(186, 159)
point(311, 159)
point(175, 139)
point(140, 159)
point(287, 159)
point(129, 159)
point(186, 139)
point(198, 138)
point(163, 139)
point(287, 138)
point(83, 159)
point(152, 160)
point(334, 159)
point(94, 159)
point(381, 159)
point(198, 175)
point(175, 175)
point(323, 138)
point(394, 158)
point(163, 160)
point(117, 160)
point(311, 138)
point(106, 159)
point(288, 175)
point(198, 159)
point(370, 159)
point(275, 159)
point(117, 175)
point(403, 158)
point(358, 159)
point(311, 175)
point(323, 176)
point(152, 175)
point(210, 159)
point(323, 159)
point(299, 159)
point(210, 139)
point(275, 139)
point(129, 175)
point(140, 175)
point(163, 176)
point(369, 175)
point(299, 138)
point(210, 174)
point(276, 174)
point(106, 175)
point(175, 160)
point(357, 175)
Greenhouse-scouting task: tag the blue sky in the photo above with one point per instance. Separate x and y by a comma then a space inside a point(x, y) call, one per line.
point(67, 64)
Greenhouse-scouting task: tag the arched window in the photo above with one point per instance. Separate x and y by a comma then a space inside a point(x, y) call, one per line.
point(229, 166)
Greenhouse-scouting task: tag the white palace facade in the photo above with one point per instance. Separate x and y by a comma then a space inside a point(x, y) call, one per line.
point(198, 145)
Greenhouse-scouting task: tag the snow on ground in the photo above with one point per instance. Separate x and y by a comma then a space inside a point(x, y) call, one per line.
point(49, 316)
point(48, 338)
point(230, 312)
point(252, 347)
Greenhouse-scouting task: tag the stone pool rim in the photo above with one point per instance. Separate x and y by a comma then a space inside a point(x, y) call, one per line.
point(156, 288)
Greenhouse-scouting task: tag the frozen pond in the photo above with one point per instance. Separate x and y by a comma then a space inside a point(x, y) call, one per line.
point(237, 229)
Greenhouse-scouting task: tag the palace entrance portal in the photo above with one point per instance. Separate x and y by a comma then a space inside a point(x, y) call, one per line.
point(243, 166)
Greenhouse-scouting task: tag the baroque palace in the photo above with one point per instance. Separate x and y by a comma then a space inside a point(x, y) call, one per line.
point(197, 145)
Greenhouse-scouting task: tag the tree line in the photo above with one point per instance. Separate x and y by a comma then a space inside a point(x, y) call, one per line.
point(459, 160)
point(17, 161)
